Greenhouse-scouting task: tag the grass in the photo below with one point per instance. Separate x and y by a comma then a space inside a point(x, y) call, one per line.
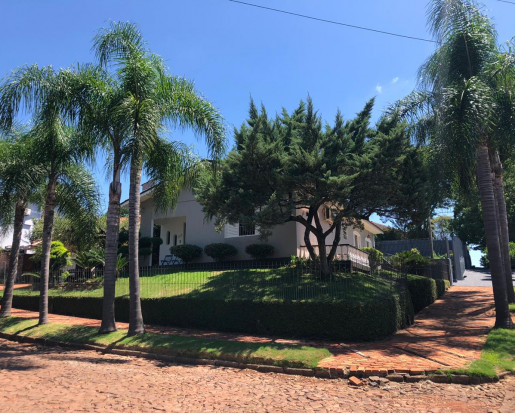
point(256, 353)
point(262, 284)
point(498, 355)
point(512, 308)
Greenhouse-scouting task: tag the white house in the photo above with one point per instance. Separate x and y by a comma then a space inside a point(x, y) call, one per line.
point(6, 235)
point(186, 224)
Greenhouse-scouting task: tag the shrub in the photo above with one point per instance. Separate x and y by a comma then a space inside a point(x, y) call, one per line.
point(484, 262)
point(422, 290)
point(186, 252)
point(220, 251)
point(258, 251)
point(336, 320)
point(412, 261)
point(375, 257)
point(441, 287)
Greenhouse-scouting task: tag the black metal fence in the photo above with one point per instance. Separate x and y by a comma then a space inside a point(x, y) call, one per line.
point(268, 280)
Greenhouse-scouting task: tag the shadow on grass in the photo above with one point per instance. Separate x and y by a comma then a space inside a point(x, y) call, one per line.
point(269, 353)
point(288, 284)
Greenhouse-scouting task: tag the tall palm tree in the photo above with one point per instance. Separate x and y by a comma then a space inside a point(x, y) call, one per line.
point(19, 184)
point(457, 106)
point(60, 150)
point(151, 98)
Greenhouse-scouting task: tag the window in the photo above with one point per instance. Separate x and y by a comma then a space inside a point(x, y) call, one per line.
point(356, 241)
point(239, 230)
point(246, 230)
point(175, 240)
point(369, 242)
point(167, 237)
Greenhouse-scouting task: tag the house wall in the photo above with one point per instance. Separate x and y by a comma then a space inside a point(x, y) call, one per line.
point(347, 236)
point(6, 234)
point(202, 232)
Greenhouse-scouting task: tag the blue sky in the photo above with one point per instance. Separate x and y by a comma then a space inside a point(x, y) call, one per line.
point(233, 52)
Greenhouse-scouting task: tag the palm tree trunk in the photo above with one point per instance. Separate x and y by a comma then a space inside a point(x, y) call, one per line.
point(7, 299)
point(48, 225)
point(502, 214)
point(135, 316)
point(488, 205)
point(111, 250)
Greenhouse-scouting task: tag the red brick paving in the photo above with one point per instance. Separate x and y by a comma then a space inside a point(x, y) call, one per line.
point(448, 334)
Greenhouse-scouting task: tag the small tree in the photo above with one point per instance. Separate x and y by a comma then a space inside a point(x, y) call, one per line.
point(295, 169)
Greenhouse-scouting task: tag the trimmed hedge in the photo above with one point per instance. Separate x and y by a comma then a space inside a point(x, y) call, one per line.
point(423, 291)
point(336, 320)
point(441, 287)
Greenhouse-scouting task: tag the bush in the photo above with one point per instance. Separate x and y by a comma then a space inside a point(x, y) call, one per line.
point(336, 320)
point(412, 261)
point(375, 257)
point(485, 262)
point(186, 252)
point(441, 287)
point(422, 290)
point(258, 251)
point(220, 251)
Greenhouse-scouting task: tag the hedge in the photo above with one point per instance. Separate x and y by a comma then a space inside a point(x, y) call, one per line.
point(423, 291)
point(336, 320)
point(441, 287)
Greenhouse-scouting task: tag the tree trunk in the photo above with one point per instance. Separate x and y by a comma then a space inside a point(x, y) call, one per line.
point(135, 316)
point(7, 299)
point(111, 251)
point(488, 205)
point(48, 224)
point(325, 268)
point(430, 232)
point(502, 215)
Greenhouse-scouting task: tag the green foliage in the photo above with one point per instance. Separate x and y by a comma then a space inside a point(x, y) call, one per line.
point(90, 259)
point(375, 257)
point(486, 263)
point(171, 344)
point(411, 261)
point(146, 245)
point(289, 167)
point(258, 251)
point(220, 251)
point(336, 320)
point(59, 256)
point(423, 291)
point(441, 287)
point(186, 252)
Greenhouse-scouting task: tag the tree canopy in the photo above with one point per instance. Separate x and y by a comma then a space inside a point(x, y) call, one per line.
point(289, 167)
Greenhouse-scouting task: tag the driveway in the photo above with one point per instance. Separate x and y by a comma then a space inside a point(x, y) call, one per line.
point(51, 379)
point(476, 278)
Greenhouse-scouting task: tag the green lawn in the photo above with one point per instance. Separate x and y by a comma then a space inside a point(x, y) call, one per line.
point(497, 355)
point(264, 285)
point(258, 353)
point(512, 308)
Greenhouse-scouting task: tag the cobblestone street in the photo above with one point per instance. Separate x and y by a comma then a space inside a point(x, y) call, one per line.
point(48, 379)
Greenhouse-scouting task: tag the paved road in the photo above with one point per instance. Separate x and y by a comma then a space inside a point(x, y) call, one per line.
point(46, 379)
point(476, 279)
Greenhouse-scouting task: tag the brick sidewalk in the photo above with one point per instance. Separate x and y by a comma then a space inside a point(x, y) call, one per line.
point(448, 334)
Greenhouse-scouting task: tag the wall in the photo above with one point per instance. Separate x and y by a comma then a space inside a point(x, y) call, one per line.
point(201, 232)
point(6, 238)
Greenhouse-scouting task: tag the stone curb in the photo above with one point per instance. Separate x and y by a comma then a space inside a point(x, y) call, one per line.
point(318, 372)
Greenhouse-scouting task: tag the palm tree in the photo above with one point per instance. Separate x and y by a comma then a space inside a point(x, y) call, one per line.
point(19, 185)
point(150, 98)
point(59, 150)
point(100, 118)
point(456, 107)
